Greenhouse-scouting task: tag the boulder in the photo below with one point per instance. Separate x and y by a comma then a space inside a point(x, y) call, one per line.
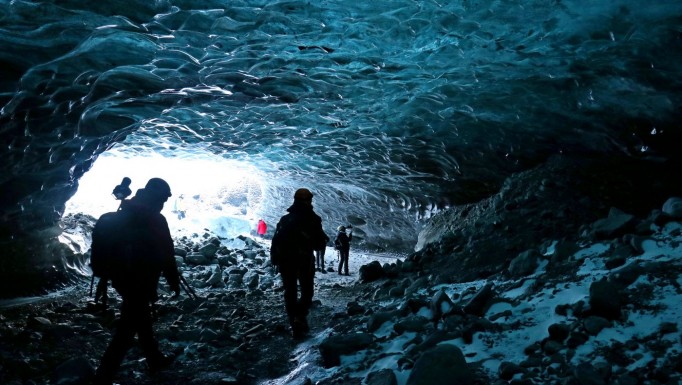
point(333, 347)
point(617, 224)
point(443, 365)
point(480, 302)
point(371, 271)
point(525, 263)
point(381, 377)
point(605, 300)
point(673, 207)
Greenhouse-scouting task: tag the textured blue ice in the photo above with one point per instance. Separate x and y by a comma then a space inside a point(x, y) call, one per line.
point(390, 109)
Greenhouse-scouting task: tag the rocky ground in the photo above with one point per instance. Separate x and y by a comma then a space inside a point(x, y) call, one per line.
point(595, 301)
point(234, 331)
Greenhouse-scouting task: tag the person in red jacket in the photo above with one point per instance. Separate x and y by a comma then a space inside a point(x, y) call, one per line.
point(262, 228)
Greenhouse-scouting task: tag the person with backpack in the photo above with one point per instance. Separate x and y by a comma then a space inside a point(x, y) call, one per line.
point(342, 244)
point(140, 250)
point(297, 235)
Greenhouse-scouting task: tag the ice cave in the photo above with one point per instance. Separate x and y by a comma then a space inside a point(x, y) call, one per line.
point(450, 133)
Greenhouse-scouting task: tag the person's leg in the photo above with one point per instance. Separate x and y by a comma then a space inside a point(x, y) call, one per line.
point(289, 282)
point(307, 281)
point(346, 255)
point(119, 346)
point(145, 335)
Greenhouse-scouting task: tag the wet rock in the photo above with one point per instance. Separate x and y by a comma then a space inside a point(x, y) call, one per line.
point(667, 328)
point(179, 261)
point(77, 370)
point(216, 278)
point(207, 335)
point(593, 324)
point(576, 339)
point(618, 223)
point(614, 262)
point(525, 263)
point(378, 319)
point(371, 272)
point(418, 284)
point(333, 347)
point(586, 374)
point(507, 370)
point(413, 323)
point(605, 299)
point(559, 332)
point(197, 259)
point(235, 280)
point(396, 292)
point(381, 293)
point(381, 377)
point(440, 304)
point(673, 207)
point(38, 322)
point(550, 347)
point(209, 250)
point(354, 308)
point(627, 275)
point(480, 301)
point(443, 365)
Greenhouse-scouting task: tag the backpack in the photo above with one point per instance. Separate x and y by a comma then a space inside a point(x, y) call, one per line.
point(110, 249)
point(293, 238)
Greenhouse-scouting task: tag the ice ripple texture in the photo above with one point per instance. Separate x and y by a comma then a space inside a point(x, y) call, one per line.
point(393, 109)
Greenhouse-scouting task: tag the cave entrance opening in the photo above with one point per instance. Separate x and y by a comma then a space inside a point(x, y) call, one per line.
point(209, 192)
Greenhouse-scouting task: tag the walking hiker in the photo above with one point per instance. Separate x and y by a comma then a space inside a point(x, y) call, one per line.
point(144, 250)
point(319, 255)
point(342, 244)
point(297, 235)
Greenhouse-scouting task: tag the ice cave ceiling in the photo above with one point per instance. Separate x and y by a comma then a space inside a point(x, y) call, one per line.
point(388, 110)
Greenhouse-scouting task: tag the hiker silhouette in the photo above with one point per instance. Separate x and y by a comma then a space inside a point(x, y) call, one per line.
point(342, 244)
point(297, 235)
point(145, 252)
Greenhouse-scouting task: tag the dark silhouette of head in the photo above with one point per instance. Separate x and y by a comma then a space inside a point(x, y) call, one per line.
point(155, 193)
point(304, 196)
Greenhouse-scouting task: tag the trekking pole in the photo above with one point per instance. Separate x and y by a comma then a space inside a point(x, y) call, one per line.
point(188, 289)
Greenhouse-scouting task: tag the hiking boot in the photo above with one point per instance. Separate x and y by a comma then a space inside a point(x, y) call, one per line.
point(160, 363)
point(304, 323)
point(298, 328)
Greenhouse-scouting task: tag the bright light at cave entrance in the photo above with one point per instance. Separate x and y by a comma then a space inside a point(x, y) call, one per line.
point(222, 195)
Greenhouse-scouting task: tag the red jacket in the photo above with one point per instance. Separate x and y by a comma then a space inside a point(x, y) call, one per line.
point(262, 227)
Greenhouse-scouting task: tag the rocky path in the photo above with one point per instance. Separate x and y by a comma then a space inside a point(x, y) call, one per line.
point(229, 335)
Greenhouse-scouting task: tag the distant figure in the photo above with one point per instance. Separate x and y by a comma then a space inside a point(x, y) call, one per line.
point(342, 244)
point(262, 228)
point(145, 253)
point(179, 207)
point(122, 191)
point(298, 234)
point(319, 255)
